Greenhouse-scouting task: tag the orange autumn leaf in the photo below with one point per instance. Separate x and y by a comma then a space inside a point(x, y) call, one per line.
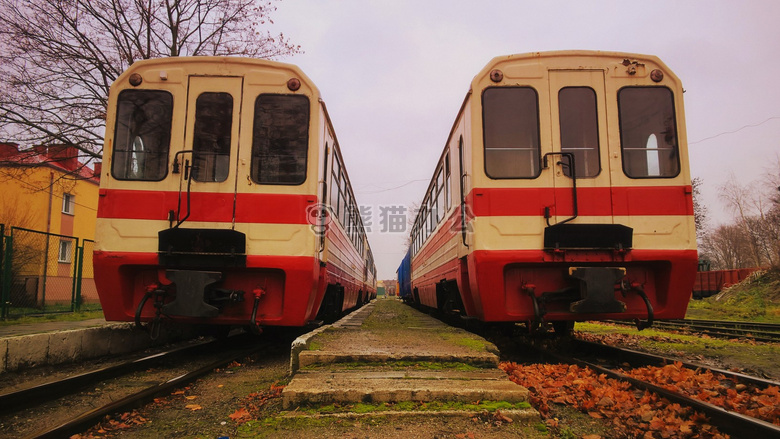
point(193, 407)
point(240, 415)
point(657, 424)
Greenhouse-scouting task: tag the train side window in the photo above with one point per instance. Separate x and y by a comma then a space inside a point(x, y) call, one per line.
point(344, 200)
point(142, 135)
point(211, 140)
point(440, 194)
point(334, 186)
point(510, 117)
point(280, 139)
point(648, 132)
point(432, 211)
point(580, 129)
point(447, 181)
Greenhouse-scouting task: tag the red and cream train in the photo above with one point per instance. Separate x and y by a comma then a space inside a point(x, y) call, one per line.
point(213, 202)
point(563, 193)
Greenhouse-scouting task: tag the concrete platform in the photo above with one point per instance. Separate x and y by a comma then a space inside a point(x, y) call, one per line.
point(51, 343)
point(388, 352)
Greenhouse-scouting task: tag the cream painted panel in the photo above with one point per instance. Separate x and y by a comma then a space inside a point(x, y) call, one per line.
point(122, 235)
point(650, 232)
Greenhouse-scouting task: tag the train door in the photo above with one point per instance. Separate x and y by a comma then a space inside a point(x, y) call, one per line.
point(212, 145)
point(579, 159)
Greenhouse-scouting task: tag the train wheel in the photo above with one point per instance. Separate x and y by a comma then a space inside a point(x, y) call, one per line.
point(220, 332)
point(563, 328)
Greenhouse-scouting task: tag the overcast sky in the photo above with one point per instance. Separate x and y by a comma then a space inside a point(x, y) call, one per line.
point(394, 73)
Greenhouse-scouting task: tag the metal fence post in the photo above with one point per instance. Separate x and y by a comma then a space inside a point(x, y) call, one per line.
point(77, 276)
point(6, 288)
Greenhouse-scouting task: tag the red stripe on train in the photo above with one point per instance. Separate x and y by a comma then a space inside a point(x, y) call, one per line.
point(206, 206)
point(591, 201)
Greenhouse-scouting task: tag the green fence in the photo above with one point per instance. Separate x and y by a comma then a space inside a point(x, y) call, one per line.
point(46, 273)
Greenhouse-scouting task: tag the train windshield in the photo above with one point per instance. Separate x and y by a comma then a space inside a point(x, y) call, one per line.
point(648, 132)
point(142, 135)
point(511, 129)
point(280, 139)
point(580, 129)
point(211, 140)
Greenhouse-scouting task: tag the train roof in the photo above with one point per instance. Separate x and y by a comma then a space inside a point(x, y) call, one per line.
point(532, 67)
point(262, 71)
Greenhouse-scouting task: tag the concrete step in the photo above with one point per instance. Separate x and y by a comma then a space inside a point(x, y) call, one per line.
point(327, 387)
point(399, 354)
point(310, 358)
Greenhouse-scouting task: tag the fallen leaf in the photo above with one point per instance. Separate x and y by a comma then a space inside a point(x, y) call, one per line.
point(240, 415)
point(193, 407)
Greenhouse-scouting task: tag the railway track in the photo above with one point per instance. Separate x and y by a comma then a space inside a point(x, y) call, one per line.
point(591, 355)
point(764, 332)
point(220, 353)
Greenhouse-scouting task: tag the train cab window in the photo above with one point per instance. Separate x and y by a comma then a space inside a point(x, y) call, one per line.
point(510, 116)
point(648, 132)
point(211, 138)
point(142, 135)
point(280, 139)
point(580, 129)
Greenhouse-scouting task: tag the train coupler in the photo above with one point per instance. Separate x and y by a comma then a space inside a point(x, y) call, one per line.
point(597, 290)
point(190, 293)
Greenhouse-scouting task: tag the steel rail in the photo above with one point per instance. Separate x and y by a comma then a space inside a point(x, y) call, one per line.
point(19, 399)
point(771, 327)
point(657, 360)
point(733, 423)
point(730, 422)
point(718, 330)
point(92, 417)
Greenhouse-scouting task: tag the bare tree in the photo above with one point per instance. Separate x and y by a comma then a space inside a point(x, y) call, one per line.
point(747, 203)
point(58, 58)
point(756, 228)
point(700, 212)
point(771, 226)
point(726, 248)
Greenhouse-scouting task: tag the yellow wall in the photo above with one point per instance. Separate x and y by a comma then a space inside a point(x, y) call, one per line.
point(27, 192)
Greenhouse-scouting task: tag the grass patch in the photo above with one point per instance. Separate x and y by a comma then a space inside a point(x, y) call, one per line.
point(56, 317)
point(468, 341)
point(314, 346)
point(399, 365)
point(390, 315)
point(407, 406)
point(748, 355)
point(757, 299)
